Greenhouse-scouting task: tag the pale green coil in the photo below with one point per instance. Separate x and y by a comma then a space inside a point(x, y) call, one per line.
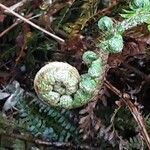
point(59, 84)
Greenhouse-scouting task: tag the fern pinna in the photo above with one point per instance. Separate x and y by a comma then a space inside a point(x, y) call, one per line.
point(46, 122)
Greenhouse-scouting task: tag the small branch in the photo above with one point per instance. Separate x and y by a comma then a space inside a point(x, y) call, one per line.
point(9, 28)
point(134, 111)
point(15, 24)
point(32, 24)
point(15, 6)
point(62, 144)
point(31, 139)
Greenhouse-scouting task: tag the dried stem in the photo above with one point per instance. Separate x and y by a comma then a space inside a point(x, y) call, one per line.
point(32, 24)
point(15, 24)
point(134, 111)
point(15, 6)
point(40, 142)
point(9, 28)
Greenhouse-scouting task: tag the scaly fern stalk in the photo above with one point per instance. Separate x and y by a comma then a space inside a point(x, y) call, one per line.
point(59, 84)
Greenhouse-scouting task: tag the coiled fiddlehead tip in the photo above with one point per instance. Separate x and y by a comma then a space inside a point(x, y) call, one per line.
point(140, 3)
point(88, 57)
point(55, 82)
point(59, 84)
point(105, 24)
point(112, 45)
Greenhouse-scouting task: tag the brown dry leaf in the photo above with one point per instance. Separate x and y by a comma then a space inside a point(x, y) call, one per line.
point(54, 8)
point(120, 103)
point(89, 123)
point(20, 40)
point(145, 39)
point(8, 2)
point(114, 60)
point(70, 2)
point(2, 16)
point(133, 48)
point(104, 94)
point(74, 48)
point(136, 40)
point(74, 44)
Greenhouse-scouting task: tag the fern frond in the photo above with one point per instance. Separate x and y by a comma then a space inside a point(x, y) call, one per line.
point(49, 123)
point(147, 122)
point(137, 143)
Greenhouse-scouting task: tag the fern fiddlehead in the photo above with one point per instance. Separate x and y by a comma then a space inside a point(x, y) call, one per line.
point(59, 84)
point(138, 13)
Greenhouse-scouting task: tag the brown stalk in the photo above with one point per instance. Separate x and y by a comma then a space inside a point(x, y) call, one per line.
point(134, 111)
point(9, 28)
point(17, 5)
point(14, 25)
point(28, 138)
point(32, 24)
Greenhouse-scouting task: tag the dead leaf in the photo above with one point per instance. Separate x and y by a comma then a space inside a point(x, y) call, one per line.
point(89, 123)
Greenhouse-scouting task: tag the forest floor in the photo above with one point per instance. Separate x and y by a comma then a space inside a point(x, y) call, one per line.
point(62, 30)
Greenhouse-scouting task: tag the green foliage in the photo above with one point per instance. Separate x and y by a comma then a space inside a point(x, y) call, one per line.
point(137, 14)
point(40, 49)
point(88, 84)
point(50, 123)
point(125, 124)
point(88, 57)
point(140, 3)
point(63, 91)
point(136, 143)
point(9, 52)
point(105, 24)
point(78, 15)
point(96, 69)
point(148, 27)
point(81, 98)
point(56, 124)
point(112, 45)
point(147, 121)
point(19, 145)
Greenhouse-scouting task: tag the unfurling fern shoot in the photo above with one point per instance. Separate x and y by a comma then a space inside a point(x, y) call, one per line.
point(59, 84)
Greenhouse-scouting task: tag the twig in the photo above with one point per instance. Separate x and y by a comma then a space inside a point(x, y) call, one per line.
point(15, 6)
point(134, 111)
point(63, 144)
point(32, 24)
point(40, 142)
point(15, 24)
point(9, 28)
